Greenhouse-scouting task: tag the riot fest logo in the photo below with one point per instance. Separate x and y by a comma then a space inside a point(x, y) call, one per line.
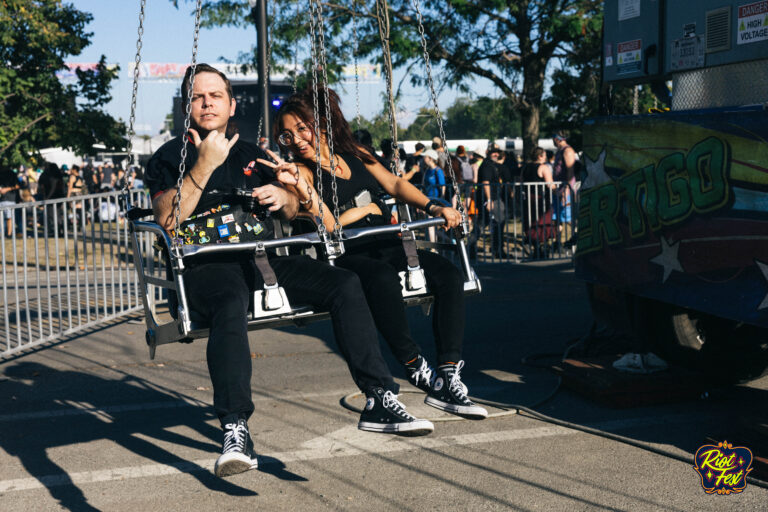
point(723, 469)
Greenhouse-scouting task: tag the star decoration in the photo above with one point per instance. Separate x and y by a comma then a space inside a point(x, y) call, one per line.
point(764, 269)
point(741, 461)
point(668, 258)
point(596, 175)
point(709, 475)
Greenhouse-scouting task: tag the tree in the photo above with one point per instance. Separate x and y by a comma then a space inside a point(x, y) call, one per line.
point(575, 92)
point(467, 118)
point(36, 109)
point(509, 42)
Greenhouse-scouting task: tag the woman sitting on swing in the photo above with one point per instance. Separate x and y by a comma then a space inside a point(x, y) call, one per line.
point(377, 260)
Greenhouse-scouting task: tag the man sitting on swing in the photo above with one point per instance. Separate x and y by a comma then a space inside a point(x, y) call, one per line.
point(220, 287)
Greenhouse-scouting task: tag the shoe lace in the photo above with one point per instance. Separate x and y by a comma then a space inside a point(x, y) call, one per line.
point(423, 372)
point(455, 385)
point(234, 437)
point(391, 403)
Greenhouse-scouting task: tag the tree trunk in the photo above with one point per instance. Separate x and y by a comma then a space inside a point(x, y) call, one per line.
point(530, 126)
point(533, 90)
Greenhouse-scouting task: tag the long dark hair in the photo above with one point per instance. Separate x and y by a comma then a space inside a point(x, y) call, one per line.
point(302, 104)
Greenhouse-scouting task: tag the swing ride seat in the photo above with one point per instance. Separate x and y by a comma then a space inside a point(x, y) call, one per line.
point(185, 325)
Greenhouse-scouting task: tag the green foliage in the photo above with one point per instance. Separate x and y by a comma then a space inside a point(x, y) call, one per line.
point(576, 87)
point(481, 118)
point(509, 42)
point(37, 110)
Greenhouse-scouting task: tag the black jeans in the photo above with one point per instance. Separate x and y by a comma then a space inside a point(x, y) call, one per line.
point(378, 265)
point(221, 292)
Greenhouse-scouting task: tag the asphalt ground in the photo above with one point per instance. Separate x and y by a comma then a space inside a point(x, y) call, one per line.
point(93, 424)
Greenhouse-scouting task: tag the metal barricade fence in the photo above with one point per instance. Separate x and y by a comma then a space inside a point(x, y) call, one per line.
point(67, 265)
point(515, 222)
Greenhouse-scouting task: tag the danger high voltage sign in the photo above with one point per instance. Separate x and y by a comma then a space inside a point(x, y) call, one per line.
point(752, 23)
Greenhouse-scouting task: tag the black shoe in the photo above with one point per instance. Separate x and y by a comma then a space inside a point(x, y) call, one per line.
point(237, 455)
point(383, 412)
point(449, 394)
point(420, 374)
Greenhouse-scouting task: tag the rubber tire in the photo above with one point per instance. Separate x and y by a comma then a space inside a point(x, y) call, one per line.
point(728, 351)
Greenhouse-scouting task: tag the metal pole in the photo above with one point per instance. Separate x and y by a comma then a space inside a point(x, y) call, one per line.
point(259, 15)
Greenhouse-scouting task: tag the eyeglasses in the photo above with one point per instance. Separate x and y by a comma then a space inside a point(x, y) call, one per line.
point(287, 137)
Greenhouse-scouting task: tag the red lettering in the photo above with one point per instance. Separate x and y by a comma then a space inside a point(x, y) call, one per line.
point(753, 9)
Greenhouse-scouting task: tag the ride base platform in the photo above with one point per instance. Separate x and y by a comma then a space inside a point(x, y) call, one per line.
point(595, 378)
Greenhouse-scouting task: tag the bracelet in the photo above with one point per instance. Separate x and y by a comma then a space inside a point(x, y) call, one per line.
point(309, 200)
point(194, 182)
point(430, 204)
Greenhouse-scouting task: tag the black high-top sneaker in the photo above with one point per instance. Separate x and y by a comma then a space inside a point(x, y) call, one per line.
point(237, 455)
point(383, 412)
point(420, 374)
point(449, 394)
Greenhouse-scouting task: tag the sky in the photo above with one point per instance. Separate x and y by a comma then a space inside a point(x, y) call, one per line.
point(168, 36)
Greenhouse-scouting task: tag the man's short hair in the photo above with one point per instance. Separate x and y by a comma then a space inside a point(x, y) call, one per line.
point(419, 146)
point(435, 145)
point(202, 68)
point(363, 137)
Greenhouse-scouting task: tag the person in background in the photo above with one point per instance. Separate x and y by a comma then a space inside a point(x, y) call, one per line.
point(564, 171)
point(434, 176)
point(494, 211)
point(9, 196)
point(75, 182)
point(387, 153)
point(414, 165)
point(52, 186)
point(443, 159)
point(108, 177)
point(264, 143)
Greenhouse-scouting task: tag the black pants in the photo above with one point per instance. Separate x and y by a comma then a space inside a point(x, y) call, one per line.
point(221, 291)
point(378, 266)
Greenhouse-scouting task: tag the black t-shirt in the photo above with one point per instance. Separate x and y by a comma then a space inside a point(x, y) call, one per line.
point(508, 170)
point(239, 170)
point(8, 179)
point(488, 171)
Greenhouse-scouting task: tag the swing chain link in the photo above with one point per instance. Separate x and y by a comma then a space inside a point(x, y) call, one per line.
point(188, 115)
point(269, 65)
point(357, 70)
point(438, 115)
point(328, 125)
point(322, 231)
point(134, 94)
point(295, 52)
point(382, 18)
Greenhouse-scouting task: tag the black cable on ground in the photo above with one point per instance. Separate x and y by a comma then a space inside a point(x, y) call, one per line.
point(533, 414)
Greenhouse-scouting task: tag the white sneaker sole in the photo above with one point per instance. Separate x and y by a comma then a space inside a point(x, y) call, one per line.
point(474, 412)
point(410, 428)
point(233, 463)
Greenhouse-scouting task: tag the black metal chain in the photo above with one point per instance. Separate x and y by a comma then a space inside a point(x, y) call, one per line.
point(187, 118)
point(134, 94)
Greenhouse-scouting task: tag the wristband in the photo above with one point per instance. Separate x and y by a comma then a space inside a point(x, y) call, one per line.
point(194, 182)
point(430, 204)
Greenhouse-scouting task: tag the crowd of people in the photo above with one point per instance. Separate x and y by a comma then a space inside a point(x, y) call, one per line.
point(49, 181)
point(496, 185)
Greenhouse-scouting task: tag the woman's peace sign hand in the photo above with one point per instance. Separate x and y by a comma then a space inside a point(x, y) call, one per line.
point(286, 172)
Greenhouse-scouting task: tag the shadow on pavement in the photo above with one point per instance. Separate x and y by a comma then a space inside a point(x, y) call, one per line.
point(74, 419)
